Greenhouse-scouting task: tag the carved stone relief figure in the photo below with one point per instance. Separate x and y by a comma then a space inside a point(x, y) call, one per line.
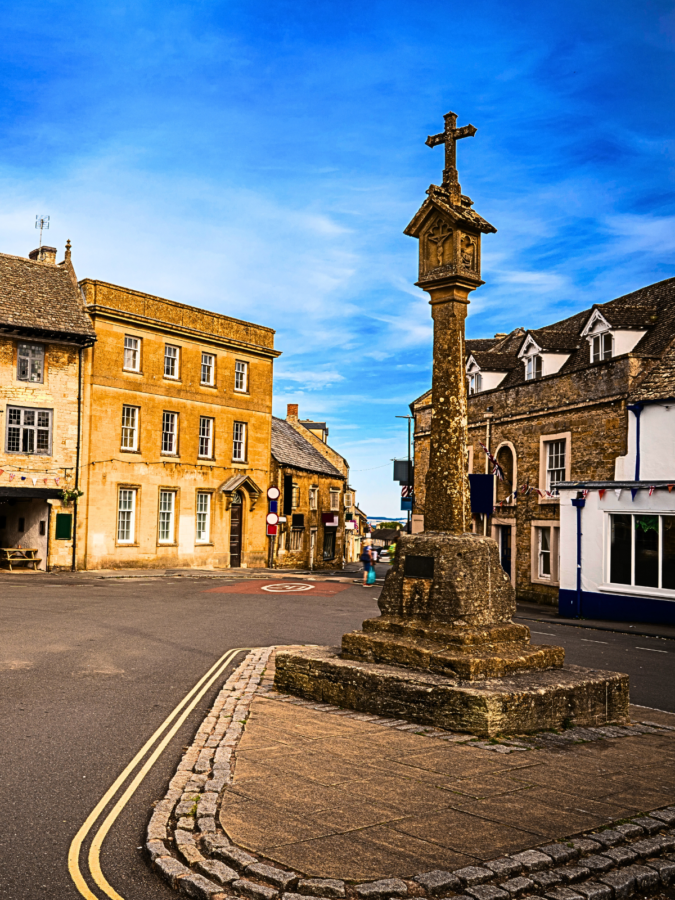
point(468, 252)
point(438, 236)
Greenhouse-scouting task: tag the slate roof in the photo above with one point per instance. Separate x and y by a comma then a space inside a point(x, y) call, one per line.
point(290, 448)
point(42, 299)
point(495, 362)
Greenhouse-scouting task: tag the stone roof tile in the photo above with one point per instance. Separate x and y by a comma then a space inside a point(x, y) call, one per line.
point(290, 448)
point(41, 297)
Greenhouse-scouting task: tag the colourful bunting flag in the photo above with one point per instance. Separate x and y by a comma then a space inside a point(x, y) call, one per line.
point(617, 491)
point(633, 492)
point(602, 492)
point(652, 489)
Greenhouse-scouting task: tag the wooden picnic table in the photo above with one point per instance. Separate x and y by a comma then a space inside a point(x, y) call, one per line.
point(13, 556)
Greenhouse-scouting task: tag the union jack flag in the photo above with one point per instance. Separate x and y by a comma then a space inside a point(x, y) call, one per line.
point(496, 468)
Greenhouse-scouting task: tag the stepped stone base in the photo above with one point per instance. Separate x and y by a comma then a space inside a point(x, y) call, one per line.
point(518, 704)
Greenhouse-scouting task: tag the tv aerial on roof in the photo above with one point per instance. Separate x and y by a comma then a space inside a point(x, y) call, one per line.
point(42, 222)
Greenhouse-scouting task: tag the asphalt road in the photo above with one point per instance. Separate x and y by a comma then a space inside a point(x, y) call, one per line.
point(90, 668)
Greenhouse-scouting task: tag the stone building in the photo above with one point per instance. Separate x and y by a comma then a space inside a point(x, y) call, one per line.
point(552, 405)
point(313, 491)
point(176, 438)
point(44, 333)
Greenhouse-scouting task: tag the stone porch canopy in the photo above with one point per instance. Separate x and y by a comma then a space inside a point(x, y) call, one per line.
point(237, 482)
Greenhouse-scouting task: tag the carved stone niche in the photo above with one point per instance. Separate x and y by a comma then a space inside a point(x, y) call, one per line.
point(437, 245)
point(469, 253)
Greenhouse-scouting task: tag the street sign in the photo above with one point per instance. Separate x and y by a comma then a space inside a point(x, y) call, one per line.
point(273, 493)
point(272, 518)
point(272, 530)
point(406, 503)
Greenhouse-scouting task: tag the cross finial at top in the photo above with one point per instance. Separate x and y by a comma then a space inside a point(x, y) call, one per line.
point(449, 137)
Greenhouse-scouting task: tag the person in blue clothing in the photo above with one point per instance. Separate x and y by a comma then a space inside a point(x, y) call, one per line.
point(367, 560)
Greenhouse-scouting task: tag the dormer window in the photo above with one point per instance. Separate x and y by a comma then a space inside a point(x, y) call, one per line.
point(475, 382)
point(601, 347)
point(533, 368)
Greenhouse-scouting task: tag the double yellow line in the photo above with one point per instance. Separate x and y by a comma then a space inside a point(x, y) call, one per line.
point(177, 717)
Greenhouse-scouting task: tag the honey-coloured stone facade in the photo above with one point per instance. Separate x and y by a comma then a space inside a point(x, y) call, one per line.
point(191, 468)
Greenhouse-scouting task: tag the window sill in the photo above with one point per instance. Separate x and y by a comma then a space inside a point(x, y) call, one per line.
point(244, 393)
point(240, 462)
point(207, 458)
point(171, 378)
point(548, 500)
point(207, 384)
point(132, 371)
point(167, 544)
point(549, 581)
point(127, 450)
point(127, 544)
point(170, 455)
point(204, 544)
point(637, 590)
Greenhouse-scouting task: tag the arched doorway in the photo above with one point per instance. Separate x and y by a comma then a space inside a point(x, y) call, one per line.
point(236, 517)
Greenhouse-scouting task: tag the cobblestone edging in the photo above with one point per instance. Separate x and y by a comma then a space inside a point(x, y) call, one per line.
point(189, 850)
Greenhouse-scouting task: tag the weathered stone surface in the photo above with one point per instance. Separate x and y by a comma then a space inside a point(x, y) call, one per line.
point(593, 890)
point(234, 857)
point(521, 703)
point(563, 893)
point(609, 838)
point(504, 867)
point(156, 849)
point(517, 886)
point(665, 868)
point(253, 890)
point(487, 892)
point(664, 815)
point(170, 869)
point(622, 883)
point(219, 871)
point(277, 877)
point(532, 860)
point(322, 887)
point(629, 830)
point(570, 874)
point(598, 863)
point(585, 846)
point(545, 880)
point(560, 853)
point(196, 885)
point(437, 881)
point(651, 826)
point(472, 875)
point(646, 878)
point(622, 856)
point(385, 887)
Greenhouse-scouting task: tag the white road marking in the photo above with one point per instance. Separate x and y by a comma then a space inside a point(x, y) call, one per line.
point(548, 633)
point(651, 649)
point(590, 641)
point(284, 587)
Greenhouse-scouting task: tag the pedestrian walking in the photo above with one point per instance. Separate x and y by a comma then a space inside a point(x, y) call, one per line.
point(366, 559)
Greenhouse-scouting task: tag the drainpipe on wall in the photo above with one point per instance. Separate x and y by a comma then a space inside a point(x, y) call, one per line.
point(77, 457)
point(579, 502)
point(636, 409)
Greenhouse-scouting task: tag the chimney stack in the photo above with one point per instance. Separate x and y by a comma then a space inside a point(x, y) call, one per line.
point(44, 254)
point(292, 411)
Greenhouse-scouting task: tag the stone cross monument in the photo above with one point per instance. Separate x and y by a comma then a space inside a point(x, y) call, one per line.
point(444, 650)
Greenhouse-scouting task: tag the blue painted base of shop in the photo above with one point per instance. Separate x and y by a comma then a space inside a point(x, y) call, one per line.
point(616, 607)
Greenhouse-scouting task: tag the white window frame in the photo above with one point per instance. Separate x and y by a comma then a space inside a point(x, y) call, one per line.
point(166, 517)
point(206, 429)
point(203, 518)
point(129, 436)
point(132, 353)
point(241, 376)
point(172, 362)
point(314, 497)
point(544, 440)
point(208, 364)
point(535, 575)
point(334, 499)
point(603, 349)
point(169, 418)
point(556, 456)
point(633, 588)
point(475, 383)
point(30, 354)
point(25, 427)
point(239, 441)
point(130, 497)
point(534, 367)
point(349, 498)
point(295, 496)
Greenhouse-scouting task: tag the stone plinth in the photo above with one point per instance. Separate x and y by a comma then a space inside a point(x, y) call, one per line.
point(445, 652)
point(520, 704)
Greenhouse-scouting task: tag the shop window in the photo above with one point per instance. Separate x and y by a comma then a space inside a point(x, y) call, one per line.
point(31, 363)
point(642, 550)
point(329, 543)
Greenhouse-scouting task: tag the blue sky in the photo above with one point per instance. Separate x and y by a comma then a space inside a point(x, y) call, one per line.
point(262, 159)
